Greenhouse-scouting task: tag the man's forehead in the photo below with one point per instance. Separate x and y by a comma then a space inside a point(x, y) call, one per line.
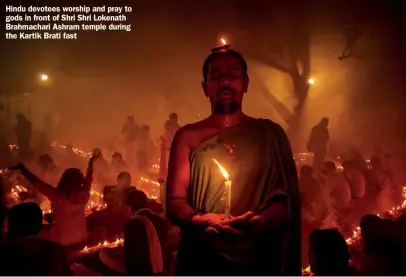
point(225, 62)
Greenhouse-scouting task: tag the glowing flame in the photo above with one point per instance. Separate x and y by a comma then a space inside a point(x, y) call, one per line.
point(223, 171)
point(223, 41)
point(311, 81)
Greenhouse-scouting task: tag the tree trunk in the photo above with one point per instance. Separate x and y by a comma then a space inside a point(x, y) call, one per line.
point(301, 90)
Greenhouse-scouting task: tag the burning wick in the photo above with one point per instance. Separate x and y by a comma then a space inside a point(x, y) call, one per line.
point(223, 47)
point(227, 183)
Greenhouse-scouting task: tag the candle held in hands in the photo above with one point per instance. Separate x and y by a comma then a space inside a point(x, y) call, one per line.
point(227, 184)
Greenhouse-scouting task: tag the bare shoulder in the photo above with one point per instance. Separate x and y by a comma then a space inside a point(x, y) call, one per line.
point(189, 132)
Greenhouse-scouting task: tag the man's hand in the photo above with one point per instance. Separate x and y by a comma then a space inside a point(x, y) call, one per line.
point(95, 154)
point(234, 225)
point(208, 220)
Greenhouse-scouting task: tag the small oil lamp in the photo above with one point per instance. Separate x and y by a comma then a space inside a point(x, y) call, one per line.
point(224, 46)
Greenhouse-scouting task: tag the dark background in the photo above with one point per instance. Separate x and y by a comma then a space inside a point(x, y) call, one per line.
point(155, 69)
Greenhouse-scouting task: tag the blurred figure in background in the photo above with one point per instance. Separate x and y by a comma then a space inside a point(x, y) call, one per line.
point(170, 128)
point(317, 144)
point(23, 132)
point(101, 169)
point(117, 165)
point(336, 193)
point(130, 133)
point(145, 148)
point(309, 189)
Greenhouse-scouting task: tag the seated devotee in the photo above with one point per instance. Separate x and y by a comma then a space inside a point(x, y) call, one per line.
point(355, 179)
point(329, 254)
point(100, 169)
point(309, 188)
point(107, 223)
point(24, 253)
point(381, 254)
point(117, 165)
point(336, 195)
point(145, 239)
point(383, 185)
point(146, 249)
point(68, 202)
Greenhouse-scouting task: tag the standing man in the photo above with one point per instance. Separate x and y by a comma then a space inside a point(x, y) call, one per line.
point(170, 128)
point(130, 134)
point(263, 235)
point(319, 138)
point(23, 131)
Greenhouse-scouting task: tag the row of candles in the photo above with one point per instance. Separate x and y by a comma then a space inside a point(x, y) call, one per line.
point(87, 154)
point(302, 158)
point(120, 242)
point(228, 185)
point(92, 205)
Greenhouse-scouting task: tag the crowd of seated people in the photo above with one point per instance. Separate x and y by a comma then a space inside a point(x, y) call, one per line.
point(38, 244)
point(339, 197)
point(380, 251)
point(52, 244)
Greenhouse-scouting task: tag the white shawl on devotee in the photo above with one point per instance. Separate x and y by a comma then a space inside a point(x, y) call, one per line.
point(155, 249)
point(114, 257)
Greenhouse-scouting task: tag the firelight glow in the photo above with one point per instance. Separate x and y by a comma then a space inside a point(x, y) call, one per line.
point(223, 41)
point(311, 81)
point(223, 171)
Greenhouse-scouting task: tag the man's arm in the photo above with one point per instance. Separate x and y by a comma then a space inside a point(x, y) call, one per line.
point(178, 209)
point(87, 183)
point(49, 191)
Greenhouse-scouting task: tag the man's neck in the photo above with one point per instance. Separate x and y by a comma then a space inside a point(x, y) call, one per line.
point(228, 120)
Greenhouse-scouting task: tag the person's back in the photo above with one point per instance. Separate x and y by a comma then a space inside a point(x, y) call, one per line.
point(308, 186)
point(33, 256)
point(24, 253)
point(328, 253)
point(339, 188)
point(355, 179)
point(140, 245)
point(69, 221)
point(162, 229)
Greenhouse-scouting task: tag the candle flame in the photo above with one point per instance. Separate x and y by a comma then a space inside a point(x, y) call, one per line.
point(223, 41)
point(223, 171)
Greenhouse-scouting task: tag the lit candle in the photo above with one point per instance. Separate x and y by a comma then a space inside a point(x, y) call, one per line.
point(227, 183)
point(224, 46)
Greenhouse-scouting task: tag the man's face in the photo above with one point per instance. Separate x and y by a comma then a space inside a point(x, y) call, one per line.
point(226, 84)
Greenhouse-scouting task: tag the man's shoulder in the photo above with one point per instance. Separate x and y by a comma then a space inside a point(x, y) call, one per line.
point(269, 125)
point(189, 130)
point(267, 122)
